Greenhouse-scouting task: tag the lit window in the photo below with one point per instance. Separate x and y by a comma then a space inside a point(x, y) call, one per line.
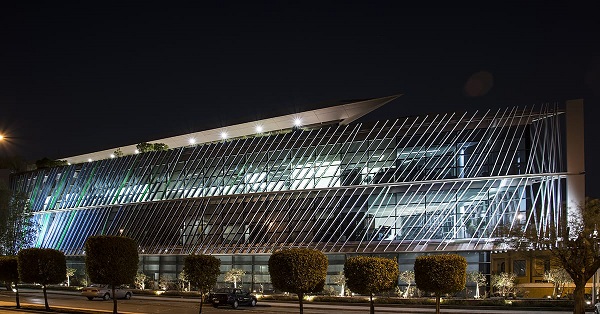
point(519, 267)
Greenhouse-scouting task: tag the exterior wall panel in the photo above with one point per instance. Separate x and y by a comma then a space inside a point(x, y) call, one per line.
point(442, 182)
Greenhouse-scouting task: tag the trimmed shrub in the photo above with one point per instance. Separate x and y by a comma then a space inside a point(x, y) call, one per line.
point(298, 271)
point(441, 274)
point(111, 260)
point(9, 272)
point(368, 275)
point(202, 271)
point(43, 266)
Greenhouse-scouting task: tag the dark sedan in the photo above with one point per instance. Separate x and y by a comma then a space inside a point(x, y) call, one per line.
point(233, 297)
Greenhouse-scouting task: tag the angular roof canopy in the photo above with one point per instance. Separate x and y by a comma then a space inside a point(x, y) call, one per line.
point(342, 114)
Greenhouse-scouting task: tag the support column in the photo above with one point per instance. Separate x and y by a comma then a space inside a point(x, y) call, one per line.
point(575, 157)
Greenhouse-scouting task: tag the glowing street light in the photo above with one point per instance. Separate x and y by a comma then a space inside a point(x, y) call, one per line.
point(192, 141)
point(224, 135)
point(259, 129)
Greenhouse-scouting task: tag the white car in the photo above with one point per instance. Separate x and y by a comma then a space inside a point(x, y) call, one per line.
point(105, 292)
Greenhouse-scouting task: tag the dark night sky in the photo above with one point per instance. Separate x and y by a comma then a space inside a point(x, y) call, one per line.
point(77, 77)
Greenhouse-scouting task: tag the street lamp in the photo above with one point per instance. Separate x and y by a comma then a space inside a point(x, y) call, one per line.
point(595, 279)
point(120, 232)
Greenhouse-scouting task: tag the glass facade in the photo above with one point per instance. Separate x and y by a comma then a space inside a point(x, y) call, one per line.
point(441, 182)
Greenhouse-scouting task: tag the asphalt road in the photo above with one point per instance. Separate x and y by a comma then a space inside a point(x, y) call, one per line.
point(70, 302)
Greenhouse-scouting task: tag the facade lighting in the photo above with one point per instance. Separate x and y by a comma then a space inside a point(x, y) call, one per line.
point(297, 122)
point(112, 155)
point(224, 135)
point(90, 160)
point(136, 151)
point(192, 141)
point(259, 128)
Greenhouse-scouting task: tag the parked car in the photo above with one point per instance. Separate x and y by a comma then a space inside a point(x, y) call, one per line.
point(105, 292)
point(232, 297)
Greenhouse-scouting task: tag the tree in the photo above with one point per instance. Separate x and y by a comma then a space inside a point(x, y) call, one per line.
point(164, 283)
point(504, 282)
point(340, 280)
point(43, 266)
point(140, 281)
point(407, 276)
point(440, 274)
point(234, 275)
point(144, 147)
point(368, 275)
point(202, 271)
point(118, 153)
point(160, 146)
point(49, 163)
point(183, 281)
point(111, 260)
point(299, 271)
point(15, 163)
point(9, 272)
point(559, 277)
point(574, 244)
point(18, 229)
point(479, 279)
point(70, 272)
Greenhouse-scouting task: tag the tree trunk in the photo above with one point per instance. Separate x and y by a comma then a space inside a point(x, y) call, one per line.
point(372, 308)
point(114, 297)
point(300, 299)
point(579, 297)
point(201, 300)
point(437, 303)
point(45, 298)
point(17, 296)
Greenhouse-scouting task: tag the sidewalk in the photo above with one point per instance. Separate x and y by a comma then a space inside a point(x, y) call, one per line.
point(350, 307)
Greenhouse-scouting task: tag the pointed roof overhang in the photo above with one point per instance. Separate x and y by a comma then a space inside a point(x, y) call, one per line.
point(342, 114)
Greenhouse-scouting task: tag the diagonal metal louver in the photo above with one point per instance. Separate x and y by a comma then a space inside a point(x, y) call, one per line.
point(426, 183)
